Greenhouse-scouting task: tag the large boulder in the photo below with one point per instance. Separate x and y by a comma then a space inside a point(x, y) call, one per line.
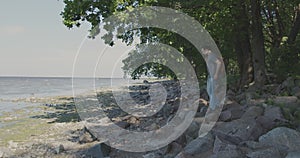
point(265, 153)
point(200, 145)
point(223, 149)
point(234, 110)
point(238, 130)
point(193, 130)
point(253, 112)
point(282, 138)
point(293, 154)
point(272, 117)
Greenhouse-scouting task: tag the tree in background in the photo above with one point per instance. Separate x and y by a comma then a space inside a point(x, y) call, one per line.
point(255, 37)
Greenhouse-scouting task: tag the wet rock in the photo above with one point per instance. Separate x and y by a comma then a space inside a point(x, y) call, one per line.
point(239, 130)
point(282, 138)
point(200, 145)
point(265, 153)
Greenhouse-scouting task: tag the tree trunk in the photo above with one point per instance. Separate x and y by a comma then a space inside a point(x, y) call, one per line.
point(258, 48)
point(242, 44)
point(295, 29)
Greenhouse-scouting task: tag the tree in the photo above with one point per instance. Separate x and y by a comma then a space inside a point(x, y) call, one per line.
point(258, 46)
point(255, 37)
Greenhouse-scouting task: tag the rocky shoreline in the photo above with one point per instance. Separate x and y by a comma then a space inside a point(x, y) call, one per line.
point(252, 124)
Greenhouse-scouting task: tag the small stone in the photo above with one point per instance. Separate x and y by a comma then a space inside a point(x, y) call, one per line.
point(86, 137)
point(60, 149)
point(123, 124)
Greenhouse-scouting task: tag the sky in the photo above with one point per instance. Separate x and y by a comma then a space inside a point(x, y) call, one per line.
point(34, 42)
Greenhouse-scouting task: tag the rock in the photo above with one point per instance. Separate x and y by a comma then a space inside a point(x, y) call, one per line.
point(193, 130)
point(86, 137)
point(60, 149)
point(152, 127)
point(188, 139)
point(272, 117)
point(294, 154)
point(173, 149)
point(235, 109)
point(252, 145)
point(39, 150)
point(253, 112)
point(222, 149)
point(123, 124)
point(265, 153)
point(152, 155)
point(181, 140)
point(239, 130)
point(94, 152)
point(282, 138)
point(274, 113)
point(225, 116)
point(228, 154)
point(285, 100)
point(286, 86)
point(220, 146)
point(2, 154)
point(200, 145)
point(202, 111)
point(296, 92)
point(123, 154)
point(182, 155)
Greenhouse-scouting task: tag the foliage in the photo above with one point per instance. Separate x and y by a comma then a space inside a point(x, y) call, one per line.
point(221, 18)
